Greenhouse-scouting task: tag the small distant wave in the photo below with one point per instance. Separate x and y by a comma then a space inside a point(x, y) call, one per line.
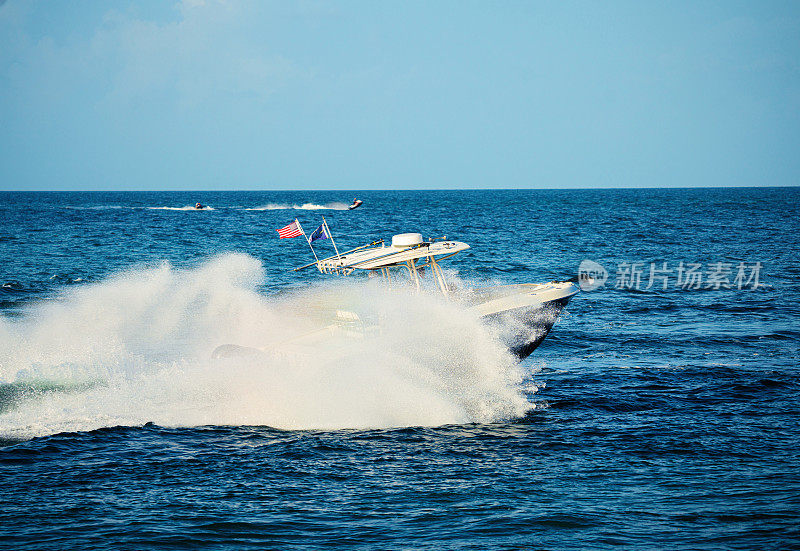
point(66, 279)
point(304, 206)
point(187, 207)
point(95, 207)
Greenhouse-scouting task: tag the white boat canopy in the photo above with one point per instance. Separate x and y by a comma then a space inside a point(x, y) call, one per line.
point(408, 250)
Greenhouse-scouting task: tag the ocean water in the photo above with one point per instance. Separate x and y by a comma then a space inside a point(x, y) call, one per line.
point(651, 417)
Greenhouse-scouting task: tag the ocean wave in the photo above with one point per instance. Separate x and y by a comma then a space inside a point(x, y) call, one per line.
point(95, 207)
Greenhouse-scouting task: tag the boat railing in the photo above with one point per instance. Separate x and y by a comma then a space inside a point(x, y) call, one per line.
point(338, 256)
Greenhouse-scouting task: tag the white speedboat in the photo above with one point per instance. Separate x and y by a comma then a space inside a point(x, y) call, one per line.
point(522, 314)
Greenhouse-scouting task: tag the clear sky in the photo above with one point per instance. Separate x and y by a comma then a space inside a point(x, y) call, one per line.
point(398, 95)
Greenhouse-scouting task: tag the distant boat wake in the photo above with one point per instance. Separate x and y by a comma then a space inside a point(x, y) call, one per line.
point(187, 207)
point(270, 206)
point(304, 206)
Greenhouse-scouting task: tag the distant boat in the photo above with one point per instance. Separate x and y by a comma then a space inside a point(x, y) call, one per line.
point(199, 206)
point(356, 203)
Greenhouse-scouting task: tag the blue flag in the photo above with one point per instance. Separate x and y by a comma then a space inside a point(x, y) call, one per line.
point(319, 233)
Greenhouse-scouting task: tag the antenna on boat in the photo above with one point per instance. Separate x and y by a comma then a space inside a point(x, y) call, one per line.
point(328, 229)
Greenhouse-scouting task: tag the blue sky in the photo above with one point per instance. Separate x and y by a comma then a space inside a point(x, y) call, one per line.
point(398, 95)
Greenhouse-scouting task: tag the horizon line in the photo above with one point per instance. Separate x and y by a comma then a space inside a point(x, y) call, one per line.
point(383, 190)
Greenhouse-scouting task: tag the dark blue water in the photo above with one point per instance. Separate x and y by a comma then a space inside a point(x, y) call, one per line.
point(649, 418)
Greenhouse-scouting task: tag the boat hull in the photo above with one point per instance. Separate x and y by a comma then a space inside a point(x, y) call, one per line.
point(523, 315)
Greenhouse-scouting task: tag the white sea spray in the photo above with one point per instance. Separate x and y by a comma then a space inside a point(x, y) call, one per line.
point(137, 347)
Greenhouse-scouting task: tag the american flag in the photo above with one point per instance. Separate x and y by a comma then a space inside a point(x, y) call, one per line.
point(292, 230)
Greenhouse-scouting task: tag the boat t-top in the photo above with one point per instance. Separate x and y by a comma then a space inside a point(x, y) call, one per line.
point(408, 252)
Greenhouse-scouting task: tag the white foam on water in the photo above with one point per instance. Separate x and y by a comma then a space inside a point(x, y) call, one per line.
point(304, 206)
point(187, 207)
point(137, 348)
point(270, 206)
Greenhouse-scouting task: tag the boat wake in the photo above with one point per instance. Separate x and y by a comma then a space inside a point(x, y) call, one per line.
point(270, 206)
point(187, 207)
point(304, 206)
point(136, 348)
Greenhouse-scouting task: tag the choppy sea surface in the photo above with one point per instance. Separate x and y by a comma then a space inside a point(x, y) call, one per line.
point(651, 417)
